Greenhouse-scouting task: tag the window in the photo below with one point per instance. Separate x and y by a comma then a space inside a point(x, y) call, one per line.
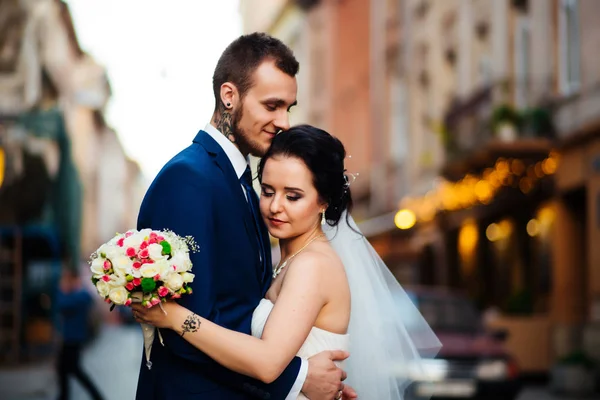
point(522, 62)
point(569, 48)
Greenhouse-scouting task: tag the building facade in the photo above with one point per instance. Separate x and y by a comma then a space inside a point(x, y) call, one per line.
point(66, 184)
point(478, 120)
point(516, 111)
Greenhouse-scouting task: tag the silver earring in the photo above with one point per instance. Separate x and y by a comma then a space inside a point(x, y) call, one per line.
point(323, 222)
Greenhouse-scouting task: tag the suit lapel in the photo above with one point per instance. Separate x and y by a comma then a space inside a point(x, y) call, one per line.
point(222, 161)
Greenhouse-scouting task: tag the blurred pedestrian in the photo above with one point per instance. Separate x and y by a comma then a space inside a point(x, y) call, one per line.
point(74, 305)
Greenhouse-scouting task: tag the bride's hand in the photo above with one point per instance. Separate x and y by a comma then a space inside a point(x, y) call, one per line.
point(155, 315)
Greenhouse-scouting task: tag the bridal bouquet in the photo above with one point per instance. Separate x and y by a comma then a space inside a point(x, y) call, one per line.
point(148, 267)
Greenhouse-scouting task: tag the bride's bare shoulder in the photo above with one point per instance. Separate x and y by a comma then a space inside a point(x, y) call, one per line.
point(322, 260)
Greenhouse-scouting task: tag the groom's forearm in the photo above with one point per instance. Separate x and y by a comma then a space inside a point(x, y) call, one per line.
point(299, 383)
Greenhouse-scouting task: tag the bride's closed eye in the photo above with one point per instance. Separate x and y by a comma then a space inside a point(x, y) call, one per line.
point(265, 193)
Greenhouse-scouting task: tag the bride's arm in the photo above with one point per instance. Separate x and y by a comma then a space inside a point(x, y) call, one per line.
point(297, 307)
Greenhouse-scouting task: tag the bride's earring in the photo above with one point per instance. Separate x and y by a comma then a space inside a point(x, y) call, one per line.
point(323, 222)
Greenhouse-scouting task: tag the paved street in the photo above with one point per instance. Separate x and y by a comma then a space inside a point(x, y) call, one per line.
point(541, 393)
point(112, 361)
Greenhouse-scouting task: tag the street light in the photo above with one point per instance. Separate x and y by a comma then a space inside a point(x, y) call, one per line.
point(405, 219)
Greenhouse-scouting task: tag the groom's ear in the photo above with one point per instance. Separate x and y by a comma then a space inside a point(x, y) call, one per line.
point(229, 95)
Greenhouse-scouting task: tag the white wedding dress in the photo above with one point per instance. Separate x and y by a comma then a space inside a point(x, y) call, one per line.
point(317, 341)
point(391, 341)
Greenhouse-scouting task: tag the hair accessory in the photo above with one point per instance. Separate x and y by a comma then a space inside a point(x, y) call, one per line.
point(349, 178)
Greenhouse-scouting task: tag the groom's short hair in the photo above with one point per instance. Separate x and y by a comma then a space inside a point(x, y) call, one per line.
point(243, 56)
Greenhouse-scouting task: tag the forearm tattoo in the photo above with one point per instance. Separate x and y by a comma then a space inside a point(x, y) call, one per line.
point(225, 125)
point(191, 324)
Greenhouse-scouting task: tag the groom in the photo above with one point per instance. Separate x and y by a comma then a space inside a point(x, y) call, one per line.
point(204, 191)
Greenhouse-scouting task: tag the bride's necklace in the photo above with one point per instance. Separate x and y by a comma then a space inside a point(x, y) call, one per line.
point(283, 264)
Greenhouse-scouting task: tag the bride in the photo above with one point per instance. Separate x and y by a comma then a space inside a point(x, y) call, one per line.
point(330, 291)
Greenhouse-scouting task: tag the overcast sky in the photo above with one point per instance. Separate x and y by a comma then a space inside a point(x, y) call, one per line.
point(160, 56)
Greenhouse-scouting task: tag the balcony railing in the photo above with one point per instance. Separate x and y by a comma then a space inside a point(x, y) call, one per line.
point(487, 116)
point(577, 114)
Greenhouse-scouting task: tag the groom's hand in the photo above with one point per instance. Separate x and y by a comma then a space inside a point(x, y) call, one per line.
point(324, 378)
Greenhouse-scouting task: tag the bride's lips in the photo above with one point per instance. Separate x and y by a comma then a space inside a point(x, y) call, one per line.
point(276, 222)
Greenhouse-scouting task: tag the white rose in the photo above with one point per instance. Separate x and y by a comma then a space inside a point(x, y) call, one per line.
point(117, 280)
point(134, 241)
point(155, 251)
point(118, 295)
point(97, 266)
point(136, 272)
point(150, 270)
point(181, 261)
point(174, 282)
point(103, 288)
point(164, 267)
point(187, 277)
point(122, 265)
point(102, 249)
point(145, 232)
point(113, 252)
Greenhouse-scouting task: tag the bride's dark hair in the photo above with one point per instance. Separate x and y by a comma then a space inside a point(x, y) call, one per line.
point(324, 156)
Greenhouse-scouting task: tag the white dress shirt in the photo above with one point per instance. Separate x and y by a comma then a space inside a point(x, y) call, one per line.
point(240, 163)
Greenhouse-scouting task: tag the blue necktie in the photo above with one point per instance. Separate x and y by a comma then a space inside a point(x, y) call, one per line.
point(246, 181)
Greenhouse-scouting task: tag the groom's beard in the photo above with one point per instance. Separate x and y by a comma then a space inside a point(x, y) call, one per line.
point(242, 138)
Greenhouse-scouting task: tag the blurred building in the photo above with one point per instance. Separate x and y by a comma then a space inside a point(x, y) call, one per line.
point(513, 99)
point(475, 127)
point(66, 184)
point(350, 84)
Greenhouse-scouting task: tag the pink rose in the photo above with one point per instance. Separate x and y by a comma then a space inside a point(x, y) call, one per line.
point(107, 265)
point(129, 233)
point(137, 265)
point(120, 242)
point(147, 261)
point(127, 302)
point(175, 296)
point(143, 245)
point(156, 277)
point(154, 301)
point(137, 281)
point(153, 235)
point(107, 300)
point(160, 239)
point(163, 291)
point(106, 278)
point(143, 253)
point(130, 286)
point(130, 252)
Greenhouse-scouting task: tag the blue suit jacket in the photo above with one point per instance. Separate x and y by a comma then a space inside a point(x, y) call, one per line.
point(198, 193)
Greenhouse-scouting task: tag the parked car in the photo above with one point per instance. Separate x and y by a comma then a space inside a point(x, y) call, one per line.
point(473, 363)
